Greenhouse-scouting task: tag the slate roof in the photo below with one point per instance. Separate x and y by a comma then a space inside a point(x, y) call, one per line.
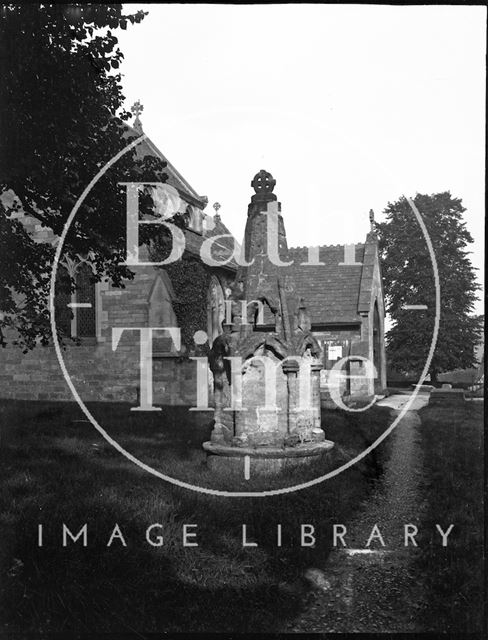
point(330, 291)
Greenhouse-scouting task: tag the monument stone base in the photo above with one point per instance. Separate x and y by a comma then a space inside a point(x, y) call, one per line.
point(262, 460)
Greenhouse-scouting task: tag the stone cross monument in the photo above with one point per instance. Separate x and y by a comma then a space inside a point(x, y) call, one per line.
point(266, 363)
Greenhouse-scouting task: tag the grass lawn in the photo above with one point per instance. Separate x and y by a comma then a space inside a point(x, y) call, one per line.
point(452, 440)
point(56, 468)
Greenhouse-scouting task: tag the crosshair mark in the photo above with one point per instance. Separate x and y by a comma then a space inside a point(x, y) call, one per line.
point(80, 305)
point(247, 467)
point(415, 307)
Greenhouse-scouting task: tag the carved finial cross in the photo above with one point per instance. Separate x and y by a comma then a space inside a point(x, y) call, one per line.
point(216, 206)
point(263, 184)
point(137, 109)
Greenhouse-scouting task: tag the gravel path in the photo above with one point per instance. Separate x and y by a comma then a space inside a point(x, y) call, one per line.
point(375, 589)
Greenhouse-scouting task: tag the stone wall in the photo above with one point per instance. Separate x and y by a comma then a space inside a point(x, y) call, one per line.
point(98, 372)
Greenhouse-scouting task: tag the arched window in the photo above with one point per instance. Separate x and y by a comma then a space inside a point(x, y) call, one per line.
point(75, 310)
point(62, 300)
point(161, 312)
point(85, 299)
point(215, 309)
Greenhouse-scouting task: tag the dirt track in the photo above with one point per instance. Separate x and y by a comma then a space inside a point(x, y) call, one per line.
point(375, 589)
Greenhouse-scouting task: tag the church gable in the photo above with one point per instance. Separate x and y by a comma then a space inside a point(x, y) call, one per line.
point(175, 179)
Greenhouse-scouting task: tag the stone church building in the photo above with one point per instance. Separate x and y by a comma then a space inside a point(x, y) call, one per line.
point(338, 288)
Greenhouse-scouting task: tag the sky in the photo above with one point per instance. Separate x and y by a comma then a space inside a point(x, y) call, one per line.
point(348, 106)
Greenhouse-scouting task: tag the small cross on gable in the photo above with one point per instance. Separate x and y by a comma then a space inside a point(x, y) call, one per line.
point(137, 108)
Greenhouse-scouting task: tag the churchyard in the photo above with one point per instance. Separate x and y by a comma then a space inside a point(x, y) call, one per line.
point(56, 470)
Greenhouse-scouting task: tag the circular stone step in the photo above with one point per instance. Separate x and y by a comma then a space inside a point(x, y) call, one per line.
point(262, 460)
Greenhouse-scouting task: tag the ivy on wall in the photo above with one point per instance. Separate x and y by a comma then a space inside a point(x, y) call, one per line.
point(190, 280)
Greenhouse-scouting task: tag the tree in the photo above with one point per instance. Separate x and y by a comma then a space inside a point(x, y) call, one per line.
point(408, 280)
point(61, 120)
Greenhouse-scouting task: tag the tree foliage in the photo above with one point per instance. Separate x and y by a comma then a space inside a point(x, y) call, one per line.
point(61, 120)
point(409, 280)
